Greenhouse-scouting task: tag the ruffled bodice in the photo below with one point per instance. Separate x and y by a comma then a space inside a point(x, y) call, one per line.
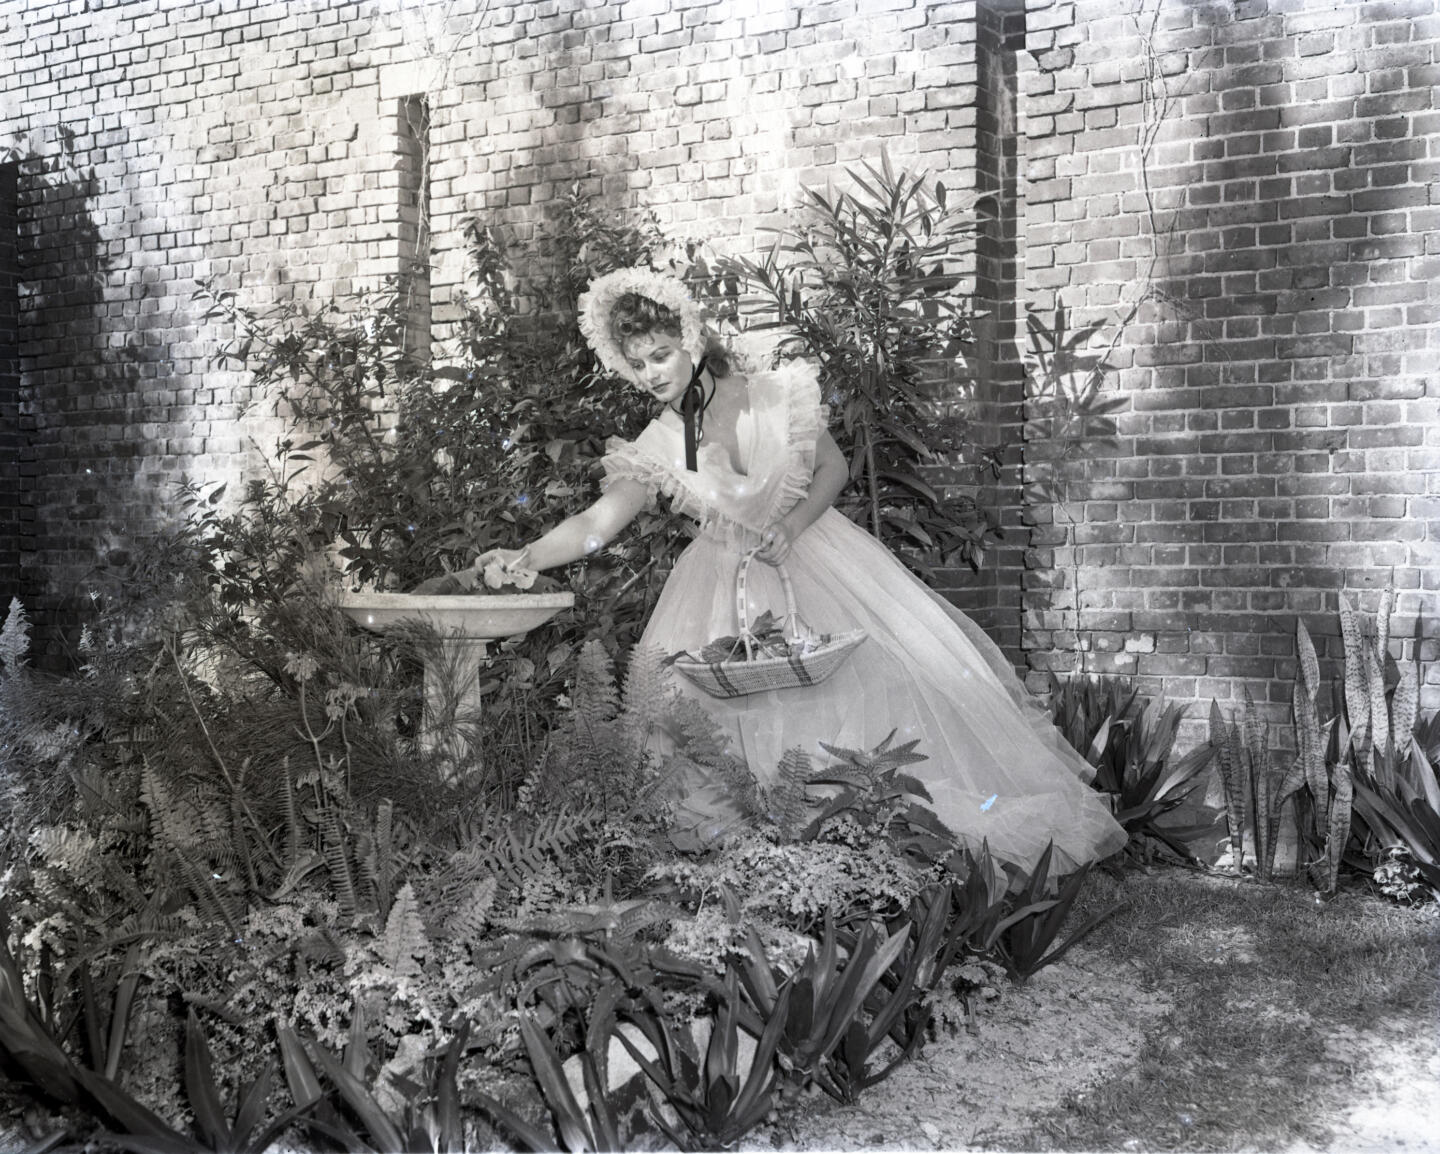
point(777, 439)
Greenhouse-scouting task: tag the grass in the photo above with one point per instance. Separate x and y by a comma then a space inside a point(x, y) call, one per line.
point(1270, 993)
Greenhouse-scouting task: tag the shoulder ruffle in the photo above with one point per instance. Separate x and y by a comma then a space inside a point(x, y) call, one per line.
point(806, 419)
point(626, 461)
point(642, 460)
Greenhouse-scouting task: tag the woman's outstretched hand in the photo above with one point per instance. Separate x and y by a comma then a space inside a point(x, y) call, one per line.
point(495, 565)
point(775, 544)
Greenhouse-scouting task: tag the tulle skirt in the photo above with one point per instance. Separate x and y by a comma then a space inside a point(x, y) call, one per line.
point(997, 770)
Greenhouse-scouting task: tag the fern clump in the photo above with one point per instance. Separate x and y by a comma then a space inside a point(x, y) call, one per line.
point(14, 639)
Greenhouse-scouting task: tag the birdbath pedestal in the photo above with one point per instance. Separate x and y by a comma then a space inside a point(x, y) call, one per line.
point(465, 624)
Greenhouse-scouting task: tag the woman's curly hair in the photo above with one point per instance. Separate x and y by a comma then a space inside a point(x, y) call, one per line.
point(634, 315)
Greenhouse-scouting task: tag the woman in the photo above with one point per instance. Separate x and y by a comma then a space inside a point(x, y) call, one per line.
point(749, 460)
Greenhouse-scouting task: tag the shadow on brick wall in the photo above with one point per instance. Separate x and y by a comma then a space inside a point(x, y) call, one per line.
point(11, 438)
point(78, 373)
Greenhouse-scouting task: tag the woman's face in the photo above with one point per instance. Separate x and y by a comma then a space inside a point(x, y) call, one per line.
point(659, 365)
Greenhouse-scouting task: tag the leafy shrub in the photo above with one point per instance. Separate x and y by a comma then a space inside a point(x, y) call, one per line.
point(1133, 751)
point(229, 811)
point(1372, 761)
point(866, 284)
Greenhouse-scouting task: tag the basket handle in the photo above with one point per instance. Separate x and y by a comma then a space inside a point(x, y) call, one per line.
point(742, 604)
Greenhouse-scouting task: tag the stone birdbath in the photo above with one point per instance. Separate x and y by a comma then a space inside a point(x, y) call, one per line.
point(465, 624)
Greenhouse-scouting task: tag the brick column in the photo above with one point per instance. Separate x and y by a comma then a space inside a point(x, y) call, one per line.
point(10, 439)
point(1000, 374)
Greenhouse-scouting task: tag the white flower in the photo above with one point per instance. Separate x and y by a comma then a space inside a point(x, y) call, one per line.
point(497, 575)
point(300, 666)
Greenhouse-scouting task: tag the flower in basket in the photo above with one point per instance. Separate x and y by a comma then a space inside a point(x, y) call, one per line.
point(767, 639)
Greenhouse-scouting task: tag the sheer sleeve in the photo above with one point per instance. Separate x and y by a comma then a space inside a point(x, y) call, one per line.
point(806, 418)
point(626, 461)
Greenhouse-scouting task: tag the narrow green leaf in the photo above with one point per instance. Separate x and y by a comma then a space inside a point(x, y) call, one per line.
point(201, 1089)
point(569, 1118)
point(384, 1134)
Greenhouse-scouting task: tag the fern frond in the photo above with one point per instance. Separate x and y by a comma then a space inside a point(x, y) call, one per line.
point(646, 691)
point(517, 854)
point(212, 899)
point(468, 922)
point(384, 855)
point(14, 639)
point(695, 730)
point(290, 808)
point(337, 858)
point(76, 852)
point(404, 945)
point(366, 862)
point(595, 699)
point(786, 799)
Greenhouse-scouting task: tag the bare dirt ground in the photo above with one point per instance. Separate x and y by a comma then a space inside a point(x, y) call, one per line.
point(1078, 1023)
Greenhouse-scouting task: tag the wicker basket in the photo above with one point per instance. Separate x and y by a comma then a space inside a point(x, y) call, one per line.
point(809, 663)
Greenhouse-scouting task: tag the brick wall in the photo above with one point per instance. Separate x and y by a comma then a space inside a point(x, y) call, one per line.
point(1239, 196)
point(1245, 197)
point(10, 436)
point(274, 145)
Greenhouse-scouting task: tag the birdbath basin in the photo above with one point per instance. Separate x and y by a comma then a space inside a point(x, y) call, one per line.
point(465, 624)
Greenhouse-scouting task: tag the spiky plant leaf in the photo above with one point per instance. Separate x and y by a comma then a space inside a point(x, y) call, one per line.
point(1357, 694)
point(1379, 711)
point(1404, 707)
point(1343, 789)
point(1264, 817)
point(1308, 662)
point(1382, 623)
point(1220, 738)
point(1311, 749)
point(202, 1088)
point(881, 758)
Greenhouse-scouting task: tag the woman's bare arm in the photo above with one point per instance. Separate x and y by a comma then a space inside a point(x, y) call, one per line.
point(831, 475)
point(577, 536)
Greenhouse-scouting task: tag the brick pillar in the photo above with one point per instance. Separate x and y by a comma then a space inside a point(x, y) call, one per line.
point(10, 439)
point(413, 221)
point(992, 596)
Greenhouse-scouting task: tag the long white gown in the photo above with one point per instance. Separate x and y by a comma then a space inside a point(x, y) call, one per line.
point(997, 769)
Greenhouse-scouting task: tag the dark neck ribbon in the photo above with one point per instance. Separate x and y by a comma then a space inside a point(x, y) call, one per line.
point(692, 411)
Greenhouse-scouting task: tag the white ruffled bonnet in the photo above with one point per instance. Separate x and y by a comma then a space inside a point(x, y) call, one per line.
point(665, 289)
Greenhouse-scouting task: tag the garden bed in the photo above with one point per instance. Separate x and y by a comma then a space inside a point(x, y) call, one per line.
point(1108, 1049)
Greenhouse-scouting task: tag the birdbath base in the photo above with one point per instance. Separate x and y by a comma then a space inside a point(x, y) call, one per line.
point(465, 625)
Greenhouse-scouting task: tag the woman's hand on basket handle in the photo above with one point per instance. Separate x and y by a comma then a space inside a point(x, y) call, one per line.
point(775, 543)
point(830, 476)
